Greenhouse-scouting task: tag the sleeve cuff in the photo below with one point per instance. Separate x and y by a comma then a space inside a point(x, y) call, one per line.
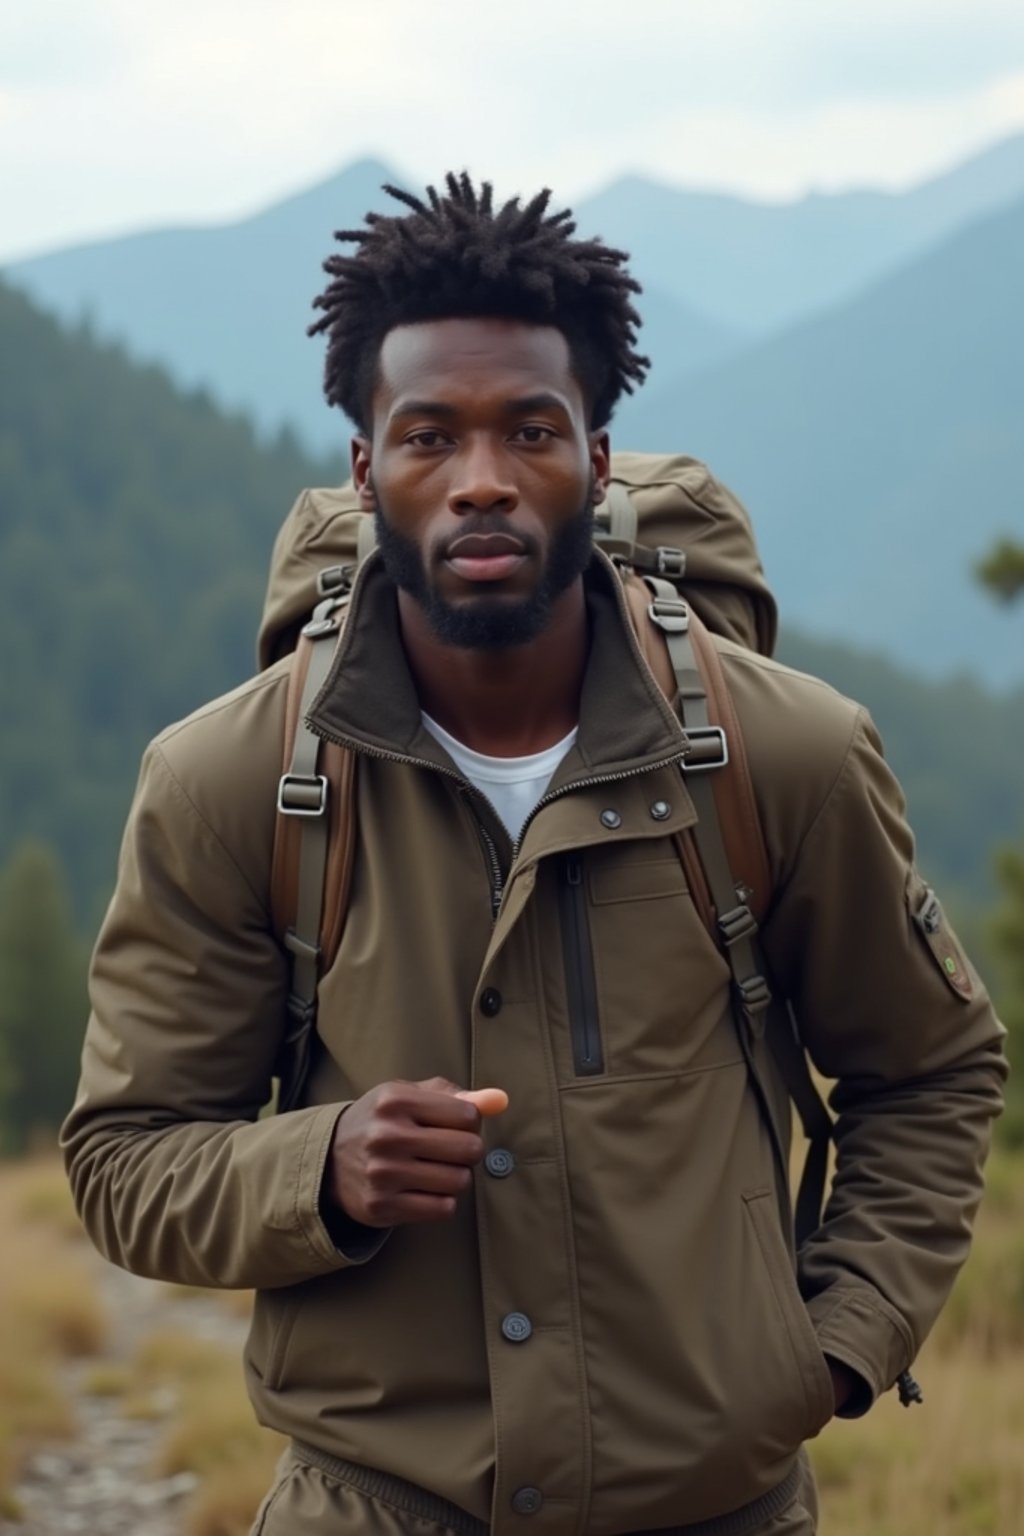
point(858, 1328)
point(334, 1233)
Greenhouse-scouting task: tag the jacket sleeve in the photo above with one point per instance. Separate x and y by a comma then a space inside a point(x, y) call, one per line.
point(895, 1015)
point(173, 1172)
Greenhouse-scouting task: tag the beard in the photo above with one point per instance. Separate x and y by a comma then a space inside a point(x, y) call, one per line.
point(491, 623)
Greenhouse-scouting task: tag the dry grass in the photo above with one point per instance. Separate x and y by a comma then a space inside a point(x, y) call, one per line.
point(227, 1501)
point(954, 1467)
point(48, 1311)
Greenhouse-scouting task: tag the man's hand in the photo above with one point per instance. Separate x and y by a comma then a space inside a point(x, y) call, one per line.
point(404, 1152)
point(844, 1382)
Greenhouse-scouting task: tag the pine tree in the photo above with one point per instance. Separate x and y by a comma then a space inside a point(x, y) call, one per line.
point(1002, 570)
point(42, 997)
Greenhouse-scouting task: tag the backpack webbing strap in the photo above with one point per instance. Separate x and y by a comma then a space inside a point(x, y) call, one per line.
point(313, 844)
point(758, 1015)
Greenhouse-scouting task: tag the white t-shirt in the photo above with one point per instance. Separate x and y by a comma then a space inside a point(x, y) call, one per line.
point(513, 785)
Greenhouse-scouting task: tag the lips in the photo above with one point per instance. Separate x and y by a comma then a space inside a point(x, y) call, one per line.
point(485, 556)
point(484, 546)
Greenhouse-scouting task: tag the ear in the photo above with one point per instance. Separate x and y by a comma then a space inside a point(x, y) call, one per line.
point(361, 477)
point(600, 463)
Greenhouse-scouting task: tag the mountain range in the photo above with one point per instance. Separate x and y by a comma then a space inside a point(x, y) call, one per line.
point(135, 535)
point(849, 363)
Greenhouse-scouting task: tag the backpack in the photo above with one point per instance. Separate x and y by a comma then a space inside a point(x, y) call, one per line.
point(685, 551)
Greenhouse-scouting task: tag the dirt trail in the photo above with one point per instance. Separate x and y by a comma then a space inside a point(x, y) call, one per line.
point(102, 1482)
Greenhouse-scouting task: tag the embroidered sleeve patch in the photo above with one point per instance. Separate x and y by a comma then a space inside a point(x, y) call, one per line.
point(931, 922)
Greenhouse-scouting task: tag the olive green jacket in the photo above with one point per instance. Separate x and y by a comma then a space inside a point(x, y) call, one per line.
point(612, 1317)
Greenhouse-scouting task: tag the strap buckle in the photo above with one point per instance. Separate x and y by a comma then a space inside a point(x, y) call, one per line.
point(318, 627)
point(755, 994)
point(302, 794)
point(334, 580)
point(709, 748)
point(738, 924)
point(670, 614)
point(670, 562)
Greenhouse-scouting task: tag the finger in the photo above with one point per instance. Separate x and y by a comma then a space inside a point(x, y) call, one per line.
point(461, 1148)
point(445, 1111)
point(424, 1178)
point(407, 1210)
point(489, 1101)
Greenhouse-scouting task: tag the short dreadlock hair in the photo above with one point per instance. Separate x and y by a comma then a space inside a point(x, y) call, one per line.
point(454, 256)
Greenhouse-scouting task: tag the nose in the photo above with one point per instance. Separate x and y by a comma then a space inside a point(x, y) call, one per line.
point(481, 481)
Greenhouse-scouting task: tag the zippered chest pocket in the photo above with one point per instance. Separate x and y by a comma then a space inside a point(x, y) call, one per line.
point(646, 989)
point(580, 979)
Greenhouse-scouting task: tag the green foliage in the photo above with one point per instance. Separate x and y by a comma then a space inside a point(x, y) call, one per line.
point(42, 997)
point(1002, 570)
point(136, 529)
point(956, 750)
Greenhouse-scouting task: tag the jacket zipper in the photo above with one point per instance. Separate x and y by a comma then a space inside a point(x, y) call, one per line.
point(496, 874)
point(580, 981)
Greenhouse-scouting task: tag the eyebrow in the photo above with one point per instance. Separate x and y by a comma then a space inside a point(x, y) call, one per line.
point(543, 401)
point(423, 408)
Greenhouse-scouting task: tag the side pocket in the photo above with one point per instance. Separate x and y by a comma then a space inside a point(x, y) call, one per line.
point(272, 1325)
point(807, 1355)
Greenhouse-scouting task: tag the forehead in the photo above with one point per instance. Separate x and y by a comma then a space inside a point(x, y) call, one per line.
point(444, 359)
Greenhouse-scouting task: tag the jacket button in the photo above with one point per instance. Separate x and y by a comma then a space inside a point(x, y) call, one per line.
point(516, 1327)
point(490, 1002)
point(499, 1163)
point(527, 1501)
point(661, 810)
point(611, 820)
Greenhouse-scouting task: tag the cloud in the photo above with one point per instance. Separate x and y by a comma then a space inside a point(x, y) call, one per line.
point(119, 116)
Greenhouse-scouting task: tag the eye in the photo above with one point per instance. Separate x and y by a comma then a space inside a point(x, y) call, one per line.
point(428, 437)
point(533, 433)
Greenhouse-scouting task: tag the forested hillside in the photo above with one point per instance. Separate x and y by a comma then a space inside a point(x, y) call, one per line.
point(135, 525)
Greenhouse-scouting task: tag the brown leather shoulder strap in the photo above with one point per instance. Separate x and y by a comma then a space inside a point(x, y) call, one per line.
point(338, 768)
point(733, 788)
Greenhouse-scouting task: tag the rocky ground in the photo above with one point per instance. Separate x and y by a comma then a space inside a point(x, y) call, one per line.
point(102, 1482)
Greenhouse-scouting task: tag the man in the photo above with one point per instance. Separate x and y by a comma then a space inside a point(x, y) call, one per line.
point(577, 1315)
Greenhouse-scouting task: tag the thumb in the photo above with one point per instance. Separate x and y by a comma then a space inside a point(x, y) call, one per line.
point(488, 1101)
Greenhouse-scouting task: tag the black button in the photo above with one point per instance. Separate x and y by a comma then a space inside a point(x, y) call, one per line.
point(499, 1163)
point(527, 1501)
point(611, 820)
point(661, 810)
point(516, 1327)
point(490, 1002)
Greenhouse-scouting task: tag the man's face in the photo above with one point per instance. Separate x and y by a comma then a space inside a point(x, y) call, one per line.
point(484, 475)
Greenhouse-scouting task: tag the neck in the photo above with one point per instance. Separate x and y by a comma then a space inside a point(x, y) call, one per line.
point(508, 703)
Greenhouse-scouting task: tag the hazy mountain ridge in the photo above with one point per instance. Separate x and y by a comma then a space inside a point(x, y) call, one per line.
point(879, 449)
point(874, 441)
point(763, 266)
point(136, 530)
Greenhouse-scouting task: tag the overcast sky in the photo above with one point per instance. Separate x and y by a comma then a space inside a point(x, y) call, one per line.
point(116, 115)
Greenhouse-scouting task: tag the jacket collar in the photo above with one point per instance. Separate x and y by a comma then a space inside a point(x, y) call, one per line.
point(369, 701)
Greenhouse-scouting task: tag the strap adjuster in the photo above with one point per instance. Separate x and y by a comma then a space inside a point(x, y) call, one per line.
point(670, 614)
point(669, 561)
point(709, 748)
point(317, 628)
point(738, 924)
point(334, 580)
point(302, 794)
point(755, 994)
